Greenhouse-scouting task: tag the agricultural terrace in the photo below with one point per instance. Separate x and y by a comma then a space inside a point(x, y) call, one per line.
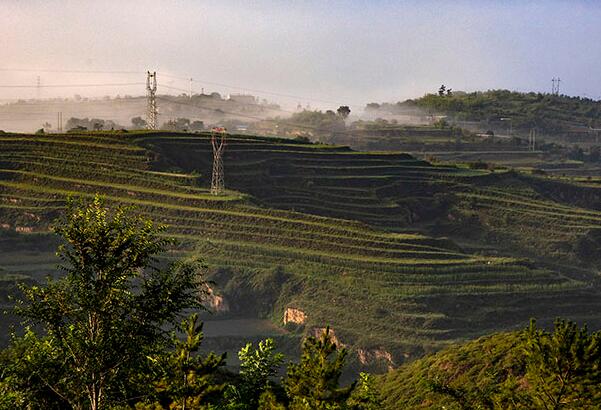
point(322, 229)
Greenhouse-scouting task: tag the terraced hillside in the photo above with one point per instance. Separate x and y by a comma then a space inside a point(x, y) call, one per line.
point(314, 234)
point(532, 216)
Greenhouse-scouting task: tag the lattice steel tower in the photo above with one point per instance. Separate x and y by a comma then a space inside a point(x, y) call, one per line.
point(217, 179)
point(151, 101)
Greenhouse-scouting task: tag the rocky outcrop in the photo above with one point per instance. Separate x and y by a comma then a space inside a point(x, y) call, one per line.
point(369, 356)
point(217, 303)
point(296, 316)
point(319, 331)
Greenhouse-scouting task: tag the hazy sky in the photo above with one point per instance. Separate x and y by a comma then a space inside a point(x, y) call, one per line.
point(350, 52)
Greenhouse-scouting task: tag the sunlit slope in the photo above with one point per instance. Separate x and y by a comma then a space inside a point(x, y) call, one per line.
point(402, 292)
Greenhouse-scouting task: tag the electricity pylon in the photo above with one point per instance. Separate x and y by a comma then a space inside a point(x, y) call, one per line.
point(217, 179)
point(151, 101)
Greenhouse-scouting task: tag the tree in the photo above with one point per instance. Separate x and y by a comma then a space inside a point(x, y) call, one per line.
point(314, 383)
point(441, 90)
point(107, 315)
point(257, 367)
point(564, 367)
point(365, 396)
point(139, 123)
point(343, 111)
point(187, 379)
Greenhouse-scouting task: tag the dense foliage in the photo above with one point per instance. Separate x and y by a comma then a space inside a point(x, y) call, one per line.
point(101, 320)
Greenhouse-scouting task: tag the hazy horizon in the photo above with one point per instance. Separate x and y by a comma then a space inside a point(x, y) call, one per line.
point(351, 52)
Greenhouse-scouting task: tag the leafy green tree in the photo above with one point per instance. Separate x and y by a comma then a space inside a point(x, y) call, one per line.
point(314, 383)
point(365, 395)
point(187, 379)
point(27, 370)
point(257, 368)
point(108, 313)
point(564, 367)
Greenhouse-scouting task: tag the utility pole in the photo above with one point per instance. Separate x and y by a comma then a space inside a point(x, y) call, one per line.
point(151, 102)
point(191, 88)
point(59, 121)
point(217, 178)
point(38, 88)
point(557, 89)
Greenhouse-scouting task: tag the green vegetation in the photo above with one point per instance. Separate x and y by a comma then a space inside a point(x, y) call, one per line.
point(397, 255)
point(532, 369)
point(551, 114)
point(104, 317)
point(100, 340)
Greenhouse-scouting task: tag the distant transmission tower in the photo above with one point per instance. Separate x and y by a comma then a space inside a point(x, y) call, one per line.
point(555, 85)
point(217, 179)
point(38, 88)
point(151, 107)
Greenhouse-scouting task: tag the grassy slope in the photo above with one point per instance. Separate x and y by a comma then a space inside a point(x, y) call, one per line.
point(469, 367)
point(320, 228)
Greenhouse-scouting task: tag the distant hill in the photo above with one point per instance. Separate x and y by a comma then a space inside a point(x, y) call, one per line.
point(550, 114)
point(31, 115)
point(399, 256)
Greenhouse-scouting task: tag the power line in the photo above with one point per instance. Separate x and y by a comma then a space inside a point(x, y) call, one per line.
point(188, 79)
point(42, 70)
point(70, 85)
point(254, 90)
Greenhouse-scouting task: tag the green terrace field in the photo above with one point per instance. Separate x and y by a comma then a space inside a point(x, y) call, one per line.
point(364, 242)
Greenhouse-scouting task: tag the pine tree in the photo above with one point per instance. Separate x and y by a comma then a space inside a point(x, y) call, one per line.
point(188, 378)
point(564, 367)
point(314, 383)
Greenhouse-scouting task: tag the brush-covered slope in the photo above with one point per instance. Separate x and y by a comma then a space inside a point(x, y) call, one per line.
point(323, 233)
point(471, 368)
